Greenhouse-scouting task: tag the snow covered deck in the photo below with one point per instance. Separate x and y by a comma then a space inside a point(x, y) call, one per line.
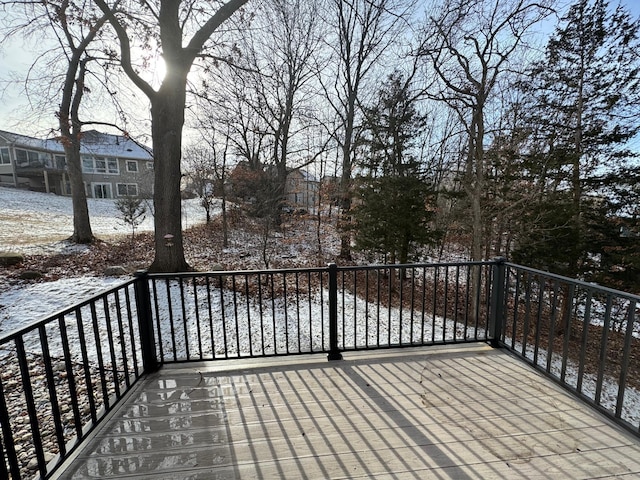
point(457, 412)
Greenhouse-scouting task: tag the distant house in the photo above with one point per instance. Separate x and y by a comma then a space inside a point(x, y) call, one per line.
point(301, 189)
point(112, 165)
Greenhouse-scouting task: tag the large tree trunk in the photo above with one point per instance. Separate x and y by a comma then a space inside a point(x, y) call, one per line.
point(71, 134)
point(167, 110)
point(475, 191)
point(81, 224)
point(167, 118)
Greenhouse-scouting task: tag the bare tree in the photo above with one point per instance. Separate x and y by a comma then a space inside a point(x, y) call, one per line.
point(227, 107)
point(281, 64)
point(363, 31)
point(200, 172)
point(468, 45)
point(74, 32)
point(169, 23)
point(207, 166)
point(73, 90)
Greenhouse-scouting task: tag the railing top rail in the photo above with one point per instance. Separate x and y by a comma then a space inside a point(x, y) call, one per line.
point(215, 273)
point(13, 334)
point(397, 266)
point(580, 283)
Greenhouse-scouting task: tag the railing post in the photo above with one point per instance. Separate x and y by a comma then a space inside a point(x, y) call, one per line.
point(334, 351)
point(145, 322)
point(496, 317)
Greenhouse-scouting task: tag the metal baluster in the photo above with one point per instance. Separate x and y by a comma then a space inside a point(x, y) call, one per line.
point(185, 327)
point(286, 316)
point(36, 437)
point(53, 394)
point(85, 365)
point(247, 296)
point(112, 351)
point(98, 342)
point(196, 306)
point(602, 358)
point(585, 334)
point(132, 336)
point(210, 313)
point(626, 353)
point(123, 343)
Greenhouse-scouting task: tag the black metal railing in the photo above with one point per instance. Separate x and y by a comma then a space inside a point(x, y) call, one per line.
point(583, 336)
point(61, 375)
point(220, 315)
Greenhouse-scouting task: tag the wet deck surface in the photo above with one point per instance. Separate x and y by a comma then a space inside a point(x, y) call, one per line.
point(448, 412)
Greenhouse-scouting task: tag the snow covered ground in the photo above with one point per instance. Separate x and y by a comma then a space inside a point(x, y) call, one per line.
point(37, 223)
point(33, 222)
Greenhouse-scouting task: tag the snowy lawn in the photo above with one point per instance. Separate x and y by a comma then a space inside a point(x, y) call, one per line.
point(33, 222)
point(36, 223)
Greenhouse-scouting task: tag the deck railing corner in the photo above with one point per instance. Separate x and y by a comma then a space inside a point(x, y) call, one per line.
point(497, 310)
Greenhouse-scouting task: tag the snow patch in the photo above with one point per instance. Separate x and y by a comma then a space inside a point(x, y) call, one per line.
point(38, 223)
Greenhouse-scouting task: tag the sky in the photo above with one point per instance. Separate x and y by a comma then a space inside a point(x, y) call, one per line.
point(16, 115)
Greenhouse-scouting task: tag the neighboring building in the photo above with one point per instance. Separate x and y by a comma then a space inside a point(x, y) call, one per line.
point(301, 189)
point(112, 165)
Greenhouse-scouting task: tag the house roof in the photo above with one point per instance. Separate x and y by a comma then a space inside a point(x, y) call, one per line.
point(31, 142)
point(304, 174)
point(99, 143)
point(93, 142)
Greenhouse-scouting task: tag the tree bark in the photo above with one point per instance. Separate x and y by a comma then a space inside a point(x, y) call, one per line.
point(167, 118)
point(82, 232)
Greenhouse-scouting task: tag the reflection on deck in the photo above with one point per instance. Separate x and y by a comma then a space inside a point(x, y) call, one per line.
point(460, 412)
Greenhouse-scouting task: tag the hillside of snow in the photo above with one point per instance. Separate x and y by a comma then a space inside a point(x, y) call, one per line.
point(33, 222)
point(37, 223)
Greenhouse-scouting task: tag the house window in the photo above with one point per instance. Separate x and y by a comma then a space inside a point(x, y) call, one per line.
point(5, 159)
point(132, 166)
point(60, 162)
point(22, 159)
point(127, 189)
point(46, 160)
point(101, 190)
point(100, 165)
point(149, 165)
point(29, 158)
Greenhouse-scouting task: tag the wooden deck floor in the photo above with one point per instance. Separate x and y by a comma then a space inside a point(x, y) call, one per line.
point(448, 412)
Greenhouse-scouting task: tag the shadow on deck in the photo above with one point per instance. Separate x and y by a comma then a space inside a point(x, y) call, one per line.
point(457, 412)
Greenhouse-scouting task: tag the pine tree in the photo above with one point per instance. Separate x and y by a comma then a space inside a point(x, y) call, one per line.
point(392, 216)
point(585, 94)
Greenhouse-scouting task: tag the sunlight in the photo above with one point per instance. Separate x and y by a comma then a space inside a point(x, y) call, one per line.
point(157, 70)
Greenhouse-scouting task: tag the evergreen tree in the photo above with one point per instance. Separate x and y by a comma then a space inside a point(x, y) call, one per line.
point(392, 215)
point(614, 228)
point(584, 111)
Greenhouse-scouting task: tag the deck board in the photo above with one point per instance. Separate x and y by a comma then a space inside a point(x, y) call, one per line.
point(466, 412)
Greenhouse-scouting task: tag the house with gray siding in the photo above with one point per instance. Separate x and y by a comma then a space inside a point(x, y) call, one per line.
point(113, 166)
